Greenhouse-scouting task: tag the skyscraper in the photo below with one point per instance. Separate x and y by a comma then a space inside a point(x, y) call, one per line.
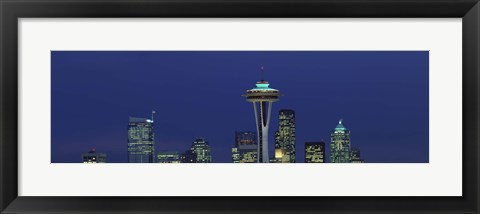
point(141, 145)
point(168, 157)
point(285, 137)
point(355, 155)
point(202, 151)
point(246, 147)
point(340, 145)
point(93, 157)
point(262, 98)
point(315, 152)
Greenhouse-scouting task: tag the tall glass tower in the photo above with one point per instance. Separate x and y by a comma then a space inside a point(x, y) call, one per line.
point(262, 98)
point(141, 145)
point(340, 145)
point(285, 137)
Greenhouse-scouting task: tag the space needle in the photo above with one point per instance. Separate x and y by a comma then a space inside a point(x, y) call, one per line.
point(262, 97)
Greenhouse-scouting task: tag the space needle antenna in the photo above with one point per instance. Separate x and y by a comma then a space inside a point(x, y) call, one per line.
point(153, 113)
point(262, 73)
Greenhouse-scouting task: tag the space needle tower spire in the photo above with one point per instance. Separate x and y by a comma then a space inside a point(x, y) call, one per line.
point(262, 97)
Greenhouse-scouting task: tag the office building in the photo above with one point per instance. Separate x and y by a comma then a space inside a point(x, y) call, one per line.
point(245, 138)
point(246, 147)
point(202, 151)
point(340, 145)
point(355, 156)
point(280, 156)
point(168, 157)
point(235, 155)
point(94, 157)
point(285, 137)
point(315, 152)
point(141, 145)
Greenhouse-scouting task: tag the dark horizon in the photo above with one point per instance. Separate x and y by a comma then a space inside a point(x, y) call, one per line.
point(382, 97)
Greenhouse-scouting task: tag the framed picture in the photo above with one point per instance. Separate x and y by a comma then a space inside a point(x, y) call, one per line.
point(227, 106)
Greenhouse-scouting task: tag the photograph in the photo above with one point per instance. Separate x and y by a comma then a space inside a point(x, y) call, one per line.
point(240, 107)
point(235, 107)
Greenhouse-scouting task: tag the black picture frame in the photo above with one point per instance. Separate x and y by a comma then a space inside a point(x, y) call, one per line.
point(12, 10)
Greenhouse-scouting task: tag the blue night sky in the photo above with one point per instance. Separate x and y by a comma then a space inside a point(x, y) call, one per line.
point(382, 97)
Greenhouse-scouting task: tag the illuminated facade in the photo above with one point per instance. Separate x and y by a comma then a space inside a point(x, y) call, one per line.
point(246, 147)
point(315, 152)
point(355, 156)
point(285, 137)
point(168, 157)
point(280, 156)
point(141, 145)
point(202, 151)
point(262, 97)
point(340, 145)
point(244, 154)
point(235, 155)
point(93, 157)
point(245, 138)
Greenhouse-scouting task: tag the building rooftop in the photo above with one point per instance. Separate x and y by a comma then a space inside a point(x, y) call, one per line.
point(340, 126)
point(139, 120)
point(262, 92)
point(263, 86)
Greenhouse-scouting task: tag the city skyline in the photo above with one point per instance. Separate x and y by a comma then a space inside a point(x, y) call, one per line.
point(372, 99)
point(246, 150)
